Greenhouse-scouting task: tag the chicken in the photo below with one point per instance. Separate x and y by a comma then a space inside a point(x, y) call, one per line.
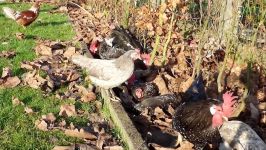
point(142, 76)
point(119, 42)
point(144, 90)
point(198, 121)
point(240, 136)
point(108, 73)
point(196, 91)
point(161, 101)
point(23, 18)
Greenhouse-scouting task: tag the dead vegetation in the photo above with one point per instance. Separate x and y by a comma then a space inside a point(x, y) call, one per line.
point(173, 32)
point(187, 48)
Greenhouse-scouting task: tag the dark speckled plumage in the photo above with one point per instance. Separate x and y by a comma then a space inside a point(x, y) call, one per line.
point(122, 42)
point(148, 89)
point(193, 118)
point(194, 121)
point(161, 100)
point(197, 90)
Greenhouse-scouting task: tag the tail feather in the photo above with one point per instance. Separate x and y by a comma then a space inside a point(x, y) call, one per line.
point(10, 13)
point(197, 90)
point(80, 60)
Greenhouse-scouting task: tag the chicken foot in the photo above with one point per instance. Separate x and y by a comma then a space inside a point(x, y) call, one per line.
point(113, 97)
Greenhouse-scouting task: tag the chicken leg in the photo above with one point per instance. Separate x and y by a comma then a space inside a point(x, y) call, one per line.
point(113, 97)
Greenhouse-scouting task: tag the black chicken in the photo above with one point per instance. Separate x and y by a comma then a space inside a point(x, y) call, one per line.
point(196, 91)
point(198, 118)
point(144, 90)
point(119, 42)
point(161, 101)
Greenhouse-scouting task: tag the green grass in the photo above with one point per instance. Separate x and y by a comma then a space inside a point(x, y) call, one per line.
point(47, 26)
point(17, 129)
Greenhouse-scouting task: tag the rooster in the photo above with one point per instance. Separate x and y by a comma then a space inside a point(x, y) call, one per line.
point(23, 18)
point(119, 42)
point(198, 120)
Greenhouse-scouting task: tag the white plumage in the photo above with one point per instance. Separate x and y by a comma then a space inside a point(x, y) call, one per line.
point(10, 13)
point(238, 135)
point(107, 73)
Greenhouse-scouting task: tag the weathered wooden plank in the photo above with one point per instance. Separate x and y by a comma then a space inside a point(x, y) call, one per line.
point(129, 133)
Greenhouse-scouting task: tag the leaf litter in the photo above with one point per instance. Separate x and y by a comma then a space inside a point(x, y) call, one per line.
point(49, 72)
point(7, 80)
point(181, 53)
point(52, 70)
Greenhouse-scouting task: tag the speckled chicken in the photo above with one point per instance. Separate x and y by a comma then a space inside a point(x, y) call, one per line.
point(157, 101)
point(197, 90)
point(119, 42)
point(144, 90)
point(23, 18)
point(108, 73)
point(198, 119)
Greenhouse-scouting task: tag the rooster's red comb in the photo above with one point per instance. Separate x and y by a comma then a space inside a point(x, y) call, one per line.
point(229, 99)
point(228, 104)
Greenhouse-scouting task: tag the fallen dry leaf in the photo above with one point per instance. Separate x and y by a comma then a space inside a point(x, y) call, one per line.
point(158, 147)
point(90, 96)
point(67, 110)
point(73, 76)
point(41, 124)
point(116, 147)
point(72, 127)
point(81, 89)
point(63, 75)
point(10, 82)
point(62, 124)
point(16, 101)
point(100, 142)
point(158, 112)
point(20, 36)
point(99, 15)
point(50, 118)
point(98, 105)
point(185, 145)
point(263, 118)
point(64, 147)
point(261, 95)
point(69, 52)
point(162, 123)
point(171, 110)
point(35, 81)
point(6, 72)
point(25, 65)
point(159, 81)
point(28, 110)
point(80, 134)
point(262, 106)
point(43, 50)
point(185, 85)
point(74, 147)
point(7, 54)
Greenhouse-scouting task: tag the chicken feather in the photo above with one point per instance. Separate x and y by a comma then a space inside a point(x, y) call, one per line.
point(107, 73)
